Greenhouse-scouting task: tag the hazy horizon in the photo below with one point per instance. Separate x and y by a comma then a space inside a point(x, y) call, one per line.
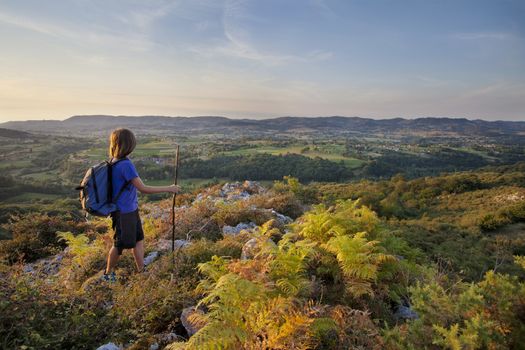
point(257, 118)
point(251, 59)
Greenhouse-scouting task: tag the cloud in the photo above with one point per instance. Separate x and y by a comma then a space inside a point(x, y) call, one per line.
point(36, 26)
point(239, 44)
point(484, 36)
point(499, 90)
point(323, 8)
point(145, 17)
point(98, 35)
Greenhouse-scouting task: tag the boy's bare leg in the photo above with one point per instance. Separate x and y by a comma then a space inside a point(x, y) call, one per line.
point(138, 253)
point(113, 258)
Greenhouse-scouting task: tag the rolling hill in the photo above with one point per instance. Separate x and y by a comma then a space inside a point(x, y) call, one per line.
point(97, 124)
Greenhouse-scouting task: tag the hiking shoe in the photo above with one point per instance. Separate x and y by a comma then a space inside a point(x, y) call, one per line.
point(109, 277)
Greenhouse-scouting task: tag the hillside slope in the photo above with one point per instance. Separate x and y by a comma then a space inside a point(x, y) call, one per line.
point(291, 267)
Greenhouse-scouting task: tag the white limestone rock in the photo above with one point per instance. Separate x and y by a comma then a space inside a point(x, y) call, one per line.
point(235, 230)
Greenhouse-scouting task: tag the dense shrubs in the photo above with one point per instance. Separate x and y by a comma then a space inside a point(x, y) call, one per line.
point(484, 315)
point(37, 315)
point(503, 216)
point(34, 236)
point(432, 163)
point(266, 167)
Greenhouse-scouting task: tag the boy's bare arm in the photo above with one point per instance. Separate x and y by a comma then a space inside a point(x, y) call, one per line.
point(139, 185)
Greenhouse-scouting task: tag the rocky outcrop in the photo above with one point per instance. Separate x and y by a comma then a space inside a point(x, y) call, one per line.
point(46, 267)
point(232, 191)
point(280, 218)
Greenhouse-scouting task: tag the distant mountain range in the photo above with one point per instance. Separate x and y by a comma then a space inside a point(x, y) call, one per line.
point(101, 124)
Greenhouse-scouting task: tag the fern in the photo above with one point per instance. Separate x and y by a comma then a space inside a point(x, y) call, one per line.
point(359, 260)
point(520, 261)
point(287, 266)
point(260, 323)
point(346, 218)
point(259, 312)
point(467, 338)
point(230, 301)
point(78, 245)
point(317, 224)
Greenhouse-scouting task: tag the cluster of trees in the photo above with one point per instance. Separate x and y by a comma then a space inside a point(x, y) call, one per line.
point(11, 187)
point(274, 167)
point(411, 165)
point(253, 167)
point(53, 157)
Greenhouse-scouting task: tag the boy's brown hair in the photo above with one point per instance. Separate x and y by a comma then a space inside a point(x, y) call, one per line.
point(121, 143)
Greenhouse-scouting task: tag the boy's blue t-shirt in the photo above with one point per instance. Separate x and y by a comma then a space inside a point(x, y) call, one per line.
point(123, 172)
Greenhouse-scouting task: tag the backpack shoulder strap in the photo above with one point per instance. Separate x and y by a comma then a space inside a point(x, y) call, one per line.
point(126, 185)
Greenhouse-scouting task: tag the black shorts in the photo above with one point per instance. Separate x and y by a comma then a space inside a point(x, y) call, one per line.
point(127, 230)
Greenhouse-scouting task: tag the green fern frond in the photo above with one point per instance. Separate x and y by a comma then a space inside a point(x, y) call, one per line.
point(359, 260)
point(346, 218)
point(78, 245)
point(520, 261)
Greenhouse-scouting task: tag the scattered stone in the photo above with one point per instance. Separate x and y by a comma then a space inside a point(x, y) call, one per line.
point(252, 247)
point(151, 257)
point(249, 249)
point(232, 191)
point(166, 338)
point(404, 312)
point(28, 268)
point(107, 305)
point(235, 230)
point(512, 197)
point(45, 267)
point(165, 244)
point(109, 346)
point(199, 197)
point(281, 219)
point(192, 326)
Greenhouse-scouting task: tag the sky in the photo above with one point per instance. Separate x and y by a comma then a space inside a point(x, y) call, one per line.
point(261, 59)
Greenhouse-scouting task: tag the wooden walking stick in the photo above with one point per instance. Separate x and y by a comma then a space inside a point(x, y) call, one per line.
point(173, 207)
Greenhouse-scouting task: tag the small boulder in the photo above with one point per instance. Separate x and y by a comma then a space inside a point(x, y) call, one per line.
point(165, 244)
point(151, 257)
point(282, 219)
point(404, 312)
point(166, 338)
point(109, 346)
point(252, 247)
point(235, 230)
point(28, 268)
point(191, 325)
